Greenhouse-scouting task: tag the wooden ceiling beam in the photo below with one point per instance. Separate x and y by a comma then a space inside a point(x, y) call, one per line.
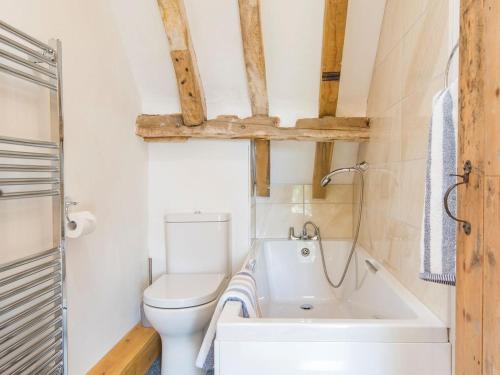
point(331, 122)
point(334, 23)
point(162, 128)
point(189, 84)
point(253, 51)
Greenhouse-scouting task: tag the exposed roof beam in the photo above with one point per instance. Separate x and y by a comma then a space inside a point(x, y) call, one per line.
point(165, 127)
point(331, 122)
point(334, 24)
point(189, 83)
point(253, 51)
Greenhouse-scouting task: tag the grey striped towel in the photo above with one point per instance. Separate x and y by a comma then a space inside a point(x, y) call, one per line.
point(438, 239)
point(242, 288)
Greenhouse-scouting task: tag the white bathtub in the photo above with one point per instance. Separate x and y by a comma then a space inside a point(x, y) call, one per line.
point(370, 326)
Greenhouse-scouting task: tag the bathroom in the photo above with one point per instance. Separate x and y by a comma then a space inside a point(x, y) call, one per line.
point(287, 91)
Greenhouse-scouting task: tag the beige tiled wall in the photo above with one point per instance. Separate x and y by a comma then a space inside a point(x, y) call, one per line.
point(413, 50)
point(292, 205)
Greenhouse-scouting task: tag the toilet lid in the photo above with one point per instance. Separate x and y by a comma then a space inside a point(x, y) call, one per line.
point(176, 291)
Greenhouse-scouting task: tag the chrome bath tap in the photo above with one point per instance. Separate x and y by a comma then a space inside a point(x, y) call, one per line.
point(304, 236)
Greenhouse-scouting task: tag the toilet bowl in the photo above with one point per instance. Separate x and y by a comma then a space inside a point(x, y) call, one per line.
point(179, 307)
point(180, 303)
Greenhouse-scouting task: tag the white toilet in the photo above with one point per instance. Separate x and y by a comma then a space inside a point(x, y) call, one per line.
point(180, 303)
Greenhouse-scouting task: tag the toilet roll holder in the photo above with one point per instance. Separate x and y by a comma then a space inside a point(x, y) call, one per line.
point(68, 203)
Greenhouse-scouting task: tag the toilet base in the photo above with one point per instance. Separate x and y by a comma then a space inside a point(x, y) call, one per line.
point(178, 354)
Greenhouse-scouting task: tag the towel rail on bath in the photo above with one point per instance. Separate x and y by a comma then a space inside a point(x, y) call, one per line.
point(32, 298)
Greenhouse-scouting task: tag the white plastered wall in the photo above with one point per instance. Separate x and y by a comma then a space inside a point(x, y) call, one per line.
point(105, 170)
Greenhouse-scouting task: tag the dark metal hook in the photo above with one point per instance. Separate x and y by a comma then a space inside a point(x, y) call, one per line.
point(465, 180)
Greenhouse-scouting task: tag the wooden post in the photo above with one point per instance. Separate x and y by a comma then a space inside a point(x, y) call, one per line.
point(478, 255)
point(334, 24)
point(253, 49)
point(183, 57)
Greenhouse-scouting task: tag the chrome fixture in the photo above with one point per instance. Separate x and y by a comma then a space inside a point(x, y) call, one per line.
point(32, 297)
point(305, 252)
point(292, 236)
point(306, 306)
point(304, 236)
point(448, 64)
point(359, 169)
point(373, 268)
point(68, 203)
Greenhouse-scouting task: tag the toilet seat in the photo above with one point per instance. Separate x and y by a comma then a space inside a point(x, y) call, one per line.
point(177, 291)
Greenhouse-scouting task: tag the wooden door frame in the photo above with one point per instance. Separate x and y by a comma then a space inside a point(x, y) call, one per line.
point(477, 348)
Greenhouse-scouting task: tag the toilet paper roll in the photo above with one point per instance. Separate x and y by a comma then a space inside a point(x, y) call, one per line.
point(81, 223)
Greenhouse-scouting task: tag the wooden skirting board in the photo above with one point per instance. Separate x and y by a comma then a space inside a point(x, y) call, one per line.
point(165, 128)
point(132, 355)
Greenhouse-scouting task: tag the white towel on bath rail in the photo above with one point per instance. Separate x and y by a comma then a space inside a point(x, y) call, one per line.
point(241, 288)
point(438, 238)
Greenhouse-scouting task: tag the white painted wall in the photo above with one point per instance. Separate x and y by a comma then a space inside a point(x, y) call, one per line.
point(105, 170)
point(207, 176)
point(364, 21)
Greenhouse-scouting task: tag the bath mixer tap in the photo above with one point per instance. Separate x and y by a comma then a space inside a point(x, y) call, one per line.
point(304, 236)
point(292, 236)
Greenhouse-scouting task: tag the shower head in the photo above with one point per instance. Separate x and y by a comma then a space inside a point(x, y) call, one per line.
point(358, 168)
point(362, 166)
point(325, 181)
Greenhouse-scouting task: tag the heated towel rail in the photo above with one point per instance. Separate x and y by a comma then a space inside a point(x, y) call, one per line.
point(32, 304)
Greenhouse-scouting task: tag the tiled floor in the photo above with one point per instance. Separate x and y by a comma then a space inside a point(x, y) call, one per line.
point(155, 368)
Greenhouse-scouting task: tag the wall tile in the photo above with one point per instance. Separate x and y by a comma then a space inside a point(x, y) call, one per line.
point(334, 220)
point(412, 56)
point(411, 191)
point(416, 117)
point(283, 193)
point(334, 194)
point(273, 220)
point(426, 48)
point(385, 137)
point(333, 214)
point(392, 27)
point(411, 11)
point(388, 83)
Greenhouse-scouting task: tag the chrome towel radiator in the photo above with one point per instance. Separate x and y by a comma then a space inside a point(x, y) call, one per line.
point(32, 303)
